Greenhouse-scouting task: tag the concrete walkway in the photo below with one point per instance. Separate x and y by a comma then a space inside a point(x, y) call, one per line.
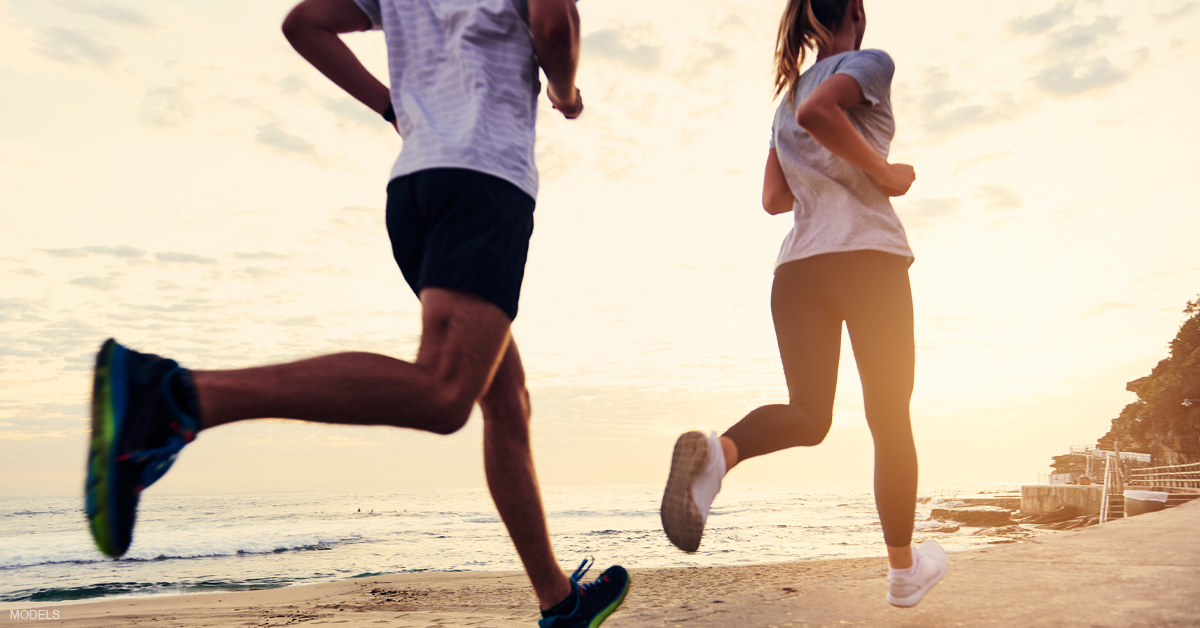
point(1142, 571)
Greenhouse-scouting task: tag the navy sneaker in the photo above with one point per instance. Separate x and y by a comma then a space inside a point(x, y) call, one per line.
point(589, 604)
point(144, 411)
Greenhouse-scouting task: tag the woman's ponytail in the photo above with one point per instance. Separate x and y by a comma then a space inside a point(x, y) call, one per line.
point(803, 26)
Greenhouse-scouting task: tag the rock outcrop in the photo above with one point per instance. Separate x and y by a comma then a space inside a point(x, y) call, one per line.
point(975, 516)
point(1060, 514)
point(1158, 423)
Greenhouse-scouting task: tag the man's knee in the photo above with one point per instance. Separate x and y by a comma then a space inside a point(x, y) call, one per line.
point(452, 409)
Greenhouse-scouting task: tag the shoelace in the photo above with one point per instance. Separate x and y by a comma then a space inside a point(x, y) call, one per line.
point(160, 459)
point(581, 571)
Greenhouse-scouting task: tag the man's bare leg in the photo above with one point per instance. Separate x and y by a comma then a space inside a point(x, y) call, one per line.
point(508, 462)
point(462, 341)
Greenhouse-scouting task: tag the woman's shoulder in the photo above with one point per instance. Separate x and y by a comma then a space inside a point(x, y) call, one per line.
point(872, 56)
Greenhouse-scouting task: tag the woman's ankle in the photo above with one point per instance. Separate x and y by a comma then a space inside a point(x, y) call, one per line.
point(900, 557)
point(729, 448)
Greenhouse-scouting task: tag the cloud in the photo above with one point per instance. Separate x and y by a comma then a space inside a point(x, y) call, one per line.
point(1181, 10)
point(164, 107)
point(121, 251)
point(350, 111)
point(273, 136)
point(187, 305)
point(332, 271)
point(734, 21)
point(710, 54)
point(608, 44)
point(1042, 22)
point(184, 258)
point(944, 110)
point(998, 197)
point(98, 283)
point(260, 274)
point(19, 353)
point(1107, 308)
point(1065, 80)
point(360, 218)
point(18, 309)
point(293, 83)
point(967, 163)
point(925, 212)
point(299, 321)
point(1072, 63)
point(76, 47)
point(109, 12)
point(261, 255)
point(1082, 38)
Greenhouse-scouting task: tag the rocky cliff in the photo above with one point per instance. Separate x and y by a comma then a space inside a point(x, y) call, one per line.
point(1159, 423)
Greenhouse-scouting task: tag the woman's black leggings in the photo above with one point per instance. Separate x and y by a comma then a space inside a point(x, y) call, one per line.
point(810, 299)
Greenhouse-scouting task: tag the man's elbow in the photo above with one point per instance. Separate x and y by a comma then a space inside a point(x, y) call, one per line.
point(555, 29)
point(295, 22)
point(303, 18)
point(553, 21)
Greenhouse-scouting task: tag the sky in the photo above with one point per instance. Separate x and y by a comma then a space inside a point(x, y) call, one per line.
point(173, 175)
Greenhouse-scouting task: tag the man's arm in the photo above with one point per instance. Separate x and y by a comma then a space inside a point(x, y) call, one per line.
point(312, 28)
point(823, 115)
point(777, 196)
point(555, 28)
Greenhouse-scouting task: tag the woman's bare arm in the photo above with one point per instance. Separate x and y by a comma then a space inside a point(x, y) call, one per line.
point(312, 28)
point(823, 115)
point(777, 196)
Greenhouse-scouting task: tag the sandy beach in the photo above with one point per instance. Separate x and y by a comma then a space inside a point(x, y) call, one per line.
point(1143, 571)
point(498, 599)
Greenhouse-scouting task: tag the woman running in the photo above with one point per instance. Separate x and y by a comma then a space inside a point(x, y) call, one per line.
point(845, 260)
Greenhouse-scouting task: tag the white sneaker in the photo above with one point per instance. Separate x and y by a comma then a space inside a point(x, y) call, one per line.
point(697, 467)
point(906, 587)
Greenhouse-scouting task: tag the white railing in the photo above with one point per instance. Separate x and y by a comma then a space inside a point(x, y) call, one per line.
point(1180, 478)
point(1106, 498)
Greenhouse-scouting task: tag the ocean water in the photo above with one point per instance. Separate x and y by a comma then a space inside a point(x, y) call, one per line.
point(196, 543)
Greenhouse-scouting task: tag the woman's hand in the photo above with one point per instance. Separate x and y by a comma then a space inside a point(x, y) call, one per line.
point(777, 196)
point(823, 115)
point(897, 178)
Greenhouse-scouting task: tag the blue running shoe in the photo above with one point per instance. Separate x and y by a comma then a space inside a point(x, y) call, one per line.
point(589, 604)
point(144, 410)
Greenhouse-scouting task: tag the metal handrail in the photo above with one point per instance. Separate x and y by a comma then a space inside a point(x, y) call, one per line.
point(1181, 478)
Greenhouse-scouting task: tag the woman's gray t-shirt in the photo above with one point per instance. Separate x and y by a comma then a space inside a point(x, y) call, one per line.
point(839, 207)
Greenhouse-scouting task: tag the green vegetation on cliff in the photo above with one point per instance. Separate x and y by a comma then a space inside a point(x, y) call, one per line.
point(1159, 423)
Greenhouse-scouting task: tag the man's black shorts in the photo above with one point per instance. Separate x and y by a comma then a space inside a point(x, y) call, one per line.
point(462, 230)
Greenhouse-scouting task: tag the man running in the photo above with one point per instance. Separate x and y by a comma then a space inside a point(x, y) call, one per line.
point(463, 95)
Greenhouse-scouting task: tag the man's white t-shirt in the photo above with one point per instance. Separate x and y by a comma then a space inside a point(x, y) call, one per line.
point(464, 83)
point(839, 207)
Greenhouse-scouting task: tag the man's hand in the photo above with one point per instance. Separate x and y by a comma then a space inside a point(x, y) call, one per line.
point(570, 110)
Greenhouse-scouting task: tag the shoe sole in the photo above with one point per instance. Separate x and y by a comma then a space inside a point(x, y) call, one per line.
point(108, 399)
point(680, 515)
point(912, 600)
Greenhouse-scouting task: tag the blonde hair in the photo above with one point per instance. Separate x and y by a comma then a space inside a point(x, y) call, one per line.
point(805, 25)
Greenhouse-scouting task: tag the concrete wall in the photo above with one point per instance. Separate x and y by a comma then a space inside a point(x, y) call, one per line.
point(1044, 498)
